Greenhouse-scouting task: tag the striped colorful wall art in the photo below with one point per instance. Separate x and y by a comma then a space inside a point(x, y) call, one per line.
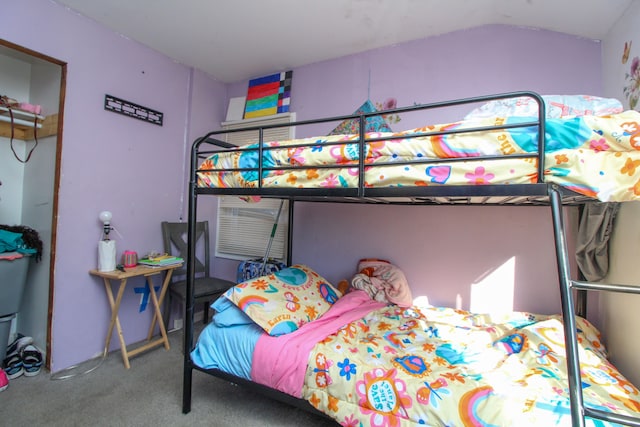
point(268, 95)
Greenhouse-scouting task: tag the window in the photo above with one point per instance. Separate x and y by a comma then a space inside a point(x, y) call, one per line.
point(244, 228)
point(273, 134)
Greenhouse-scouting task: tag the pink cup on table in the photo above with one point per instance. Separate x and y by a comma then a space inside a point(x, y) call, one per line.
point(129, 259)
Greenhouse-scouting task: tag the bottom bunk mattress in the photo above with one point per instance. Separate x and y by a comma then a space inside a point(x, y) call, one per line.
point(367, 363)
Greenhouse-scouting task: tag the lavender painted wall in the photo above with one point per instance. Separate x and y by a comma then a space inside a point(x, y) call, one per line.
point(465, 63)
point(445, 252)
point(109, 161)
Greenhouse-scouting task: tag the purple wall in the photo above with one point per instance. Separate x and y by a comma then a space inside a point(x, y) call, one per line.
point(109, 161)
point(446, 252)
point(480, 61)
point(137, 170)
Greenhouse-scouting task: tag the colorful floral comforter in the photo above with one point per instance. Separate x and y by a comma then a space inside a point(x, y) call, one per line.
point(446, 367)
point(597, 156)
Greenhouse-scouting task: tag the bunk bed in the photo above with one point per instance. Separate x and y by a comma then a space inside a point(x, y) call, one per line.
point(515, 159)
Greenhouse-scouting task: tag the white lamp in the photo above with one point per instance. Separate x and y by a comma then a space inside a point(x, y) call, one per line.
point(106, 246)
point(105, 217)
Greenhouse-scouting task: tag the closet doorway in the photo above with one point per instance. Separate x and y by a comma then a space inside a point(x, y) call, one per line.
point(30, 158)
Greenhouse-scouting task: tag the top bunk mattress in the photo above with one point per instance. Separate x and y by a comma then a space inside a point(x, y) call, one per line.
point(594, 156)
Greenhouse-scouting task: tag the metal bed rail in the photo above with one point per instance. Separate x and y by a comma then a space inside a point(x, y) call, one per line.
point(213, 141)
point(577, 406)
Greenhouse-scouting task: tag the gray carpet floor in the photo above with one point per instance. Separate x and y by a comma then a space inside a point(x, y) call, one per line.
point(148, 394)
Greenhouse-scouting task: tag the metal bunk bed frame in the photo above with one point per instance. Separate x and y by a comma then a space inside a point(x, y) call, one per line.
point(537, 194)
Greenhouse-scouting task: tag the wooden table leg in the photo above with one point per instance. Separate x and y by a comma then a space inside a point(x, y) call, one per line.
point(158, 313)
point(115, 320)
point(163, 339)
point(163, 292)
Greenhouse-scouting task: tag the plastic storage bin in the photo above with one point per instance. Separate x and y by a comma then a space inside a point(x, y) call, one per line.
point(13, 276)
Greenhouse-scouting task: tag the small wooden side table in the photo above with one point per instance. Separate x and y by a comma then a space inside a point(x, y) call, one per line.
point(148, 273)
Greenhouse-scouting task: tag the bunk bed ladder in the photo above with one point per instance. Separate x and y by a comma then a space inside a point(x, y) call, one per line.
point(577, 407)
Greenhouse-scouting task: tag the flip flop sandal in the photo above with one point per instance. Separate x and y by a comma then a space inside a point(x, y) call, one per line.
point(13, 366)
point(31, 360)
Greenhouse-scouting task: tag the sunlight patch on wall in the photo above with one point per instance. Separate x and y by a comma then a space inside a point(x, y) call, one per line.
point(421, 301)
point(493, 293)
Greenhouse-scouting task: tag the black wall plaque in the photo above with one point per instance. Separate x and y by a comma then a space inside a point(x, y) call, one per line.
point(120, 106)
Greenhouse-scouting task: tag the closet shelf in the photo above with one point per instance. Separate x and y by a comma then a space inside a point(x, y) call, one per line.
point(23, 124)
point(23, 118)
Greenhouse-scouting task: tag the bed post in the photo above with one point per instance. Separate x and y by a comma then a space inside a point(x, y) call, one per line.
point(581, 294)
point(290, 236)
point(568, 310)
point(188, 321)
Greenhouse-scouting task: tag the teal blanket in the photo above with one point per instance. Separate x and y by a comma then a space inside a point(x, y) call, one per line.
point(12, 242)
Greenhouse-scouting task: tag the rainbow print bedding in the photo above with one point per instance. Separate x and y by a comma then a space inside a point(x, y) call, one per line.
point(593, 155)
point(392, 366)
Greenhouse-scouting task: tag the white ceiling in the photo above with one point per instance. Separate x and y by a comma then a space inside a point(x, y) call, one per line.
point(233, 40)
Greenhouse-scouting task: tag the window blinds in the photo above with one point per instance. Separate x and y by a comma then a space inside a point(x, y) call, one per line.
point(273, 134)
point(244, 228)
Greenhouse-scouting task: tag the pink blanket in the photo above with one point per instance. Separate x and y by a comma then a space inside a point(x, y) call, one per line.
point(281, 362)
point(11, 255)
point(383, 282)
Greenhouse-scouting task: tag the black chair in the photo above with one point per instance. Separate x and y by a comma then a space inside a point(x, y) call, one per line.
point(206, 288)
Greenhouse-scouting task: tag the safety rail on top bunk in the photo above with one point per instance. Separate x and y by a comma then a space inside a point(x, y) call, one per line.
point(493, 194)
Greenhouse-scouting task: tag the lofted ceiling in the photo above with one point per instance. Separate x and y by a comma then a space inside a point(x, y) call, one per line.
point(233, 40)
